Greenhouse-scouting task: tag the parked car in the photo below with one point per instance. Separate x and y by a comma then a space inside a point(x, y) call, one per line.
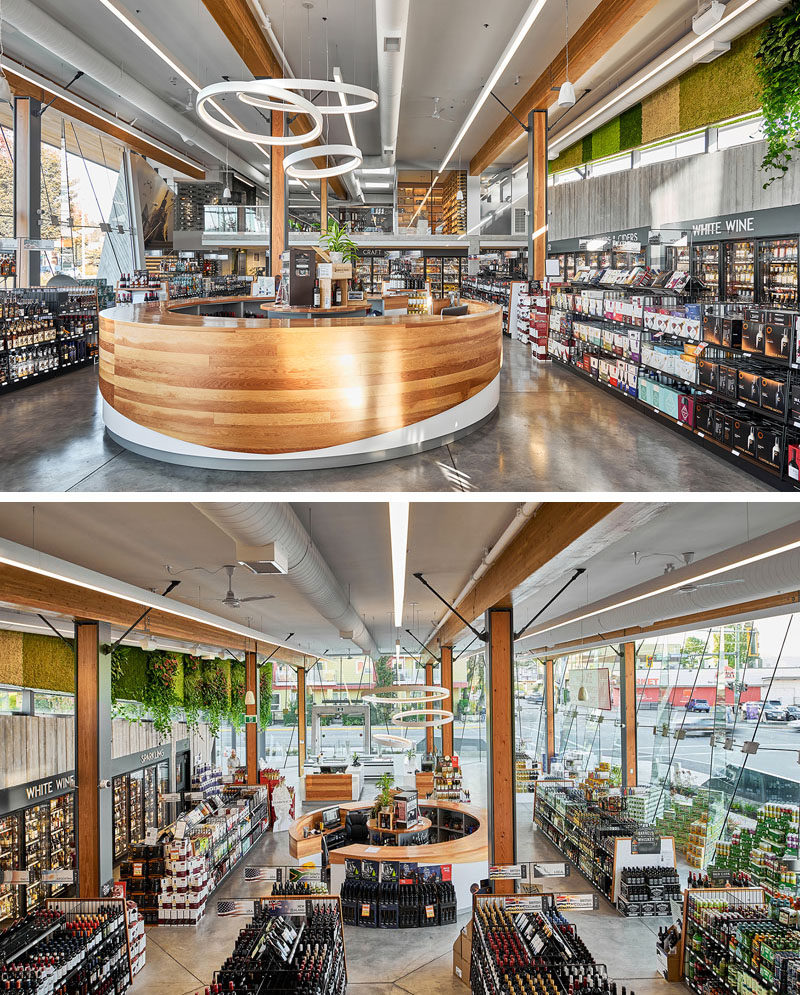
point(697, 705)
point(535, 699)
point(774, 713)
point(793, 713)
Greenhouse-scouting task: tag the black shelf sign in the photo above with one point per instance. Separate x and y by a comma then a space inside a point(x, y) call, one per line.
point(645, 840)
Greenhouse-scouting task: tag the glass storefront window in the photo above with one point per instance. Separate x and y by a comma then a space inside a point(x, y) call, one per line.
point(48, 703)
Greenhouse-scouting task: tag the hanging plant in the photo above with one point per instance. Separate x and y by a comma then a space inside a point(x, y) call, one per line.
point(214, 696)
point(159, 696)
point(117, 671)
point(778, 68)
point(265, 691)
point(237, 709)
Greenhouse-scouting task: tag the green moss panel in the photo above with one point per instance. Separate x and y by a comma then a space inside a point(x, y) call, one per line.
point(725, 88)
point(569, 158)
point(134, 674)
point(605, 140)
point(47, 663)
point(586, 155)
point(178, 680)
point(661, 113)
point(10, 657)
point(630, 128)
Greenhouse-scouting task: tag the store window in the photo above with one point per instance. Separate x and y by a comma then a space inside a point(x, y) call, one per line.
point(11, 700)
point(50, 703)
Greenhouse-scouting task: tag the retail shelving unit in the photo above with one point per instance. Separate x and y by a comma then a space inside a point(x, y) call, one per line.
point(723, 377)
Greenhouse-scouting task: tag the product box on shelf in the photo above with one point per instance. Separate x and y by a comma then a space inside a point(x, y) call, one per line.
point(778, 331)
point(708, 373)
point(793, 462)
point(769, 447)
point(723, 426)
point(750, 388)
point(686, 409)
point(743, 436)
point(704, 417)
point(728, 381)
point(795, 401)
point(773, 393)
point(753, 332)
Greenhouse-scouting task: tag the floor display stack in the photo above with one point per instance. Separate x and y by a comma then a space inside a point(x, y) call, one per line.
point(73, 947)
point(137, 938)
point(377, 894)
point(626, 859)
point(527, 771)
point(694, 824)
point(720, 374)
point(171, 880)
point(290, 945)
point(447, 779)
point(524, 946)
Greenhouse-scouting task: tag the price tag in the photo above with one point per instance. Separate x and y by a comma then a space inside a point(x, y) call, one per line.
point(734, 452)
point(701, 435)
point(170, 796)
point(365, 910)
point(429, 912)
point(180, 829)
point(741, 404)
point(62, 876)
point(151, 836)
point(16, 877)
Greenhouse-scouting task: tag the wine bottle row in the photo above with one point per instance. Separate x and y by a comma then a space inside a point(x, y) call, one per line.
point(398, 904)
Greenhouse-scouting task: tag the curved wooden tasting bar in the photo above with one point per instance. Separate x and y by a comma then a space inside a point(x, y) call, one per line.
point(465, 850)
point(284, 393)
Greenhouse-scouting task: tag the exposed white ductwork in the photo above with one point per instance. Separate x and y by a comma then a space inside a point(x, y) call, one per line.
point(643, 606)
point(391, 29)
point(54, 37)
point(260, 523)
point(645, 82)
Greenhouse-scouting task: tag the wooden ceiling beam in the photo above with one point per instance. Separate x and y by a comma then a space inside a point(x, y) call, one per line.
point(691, 621)
point(22, 88)
point(552, 528)
point(237, 22)
point(32, 591)
point(608, 24)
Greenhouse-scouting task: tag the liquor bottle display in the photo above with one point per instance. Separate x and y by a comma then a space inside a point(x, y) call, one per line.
point(447, 779)
point(398, 903)
point(46, 331)
point(77, 947)
point(720, 373)
point(289, 945)
point(534, 952)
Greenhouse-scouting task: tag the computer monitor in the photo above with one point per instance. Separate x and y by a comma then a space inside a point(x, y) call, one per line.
point(330, 818)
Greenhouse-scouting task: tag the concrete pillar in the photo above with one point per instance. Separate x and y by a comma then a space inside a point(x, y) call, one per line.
point(27, 185)
point(501, 736)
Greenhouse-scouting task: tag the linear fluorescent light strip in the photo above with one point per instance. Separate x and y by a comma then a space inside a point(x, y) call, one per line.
point(518, 37)
point(654, 72)
point(168, 607)
point(164, 56)
point(671, 587)
point(398, 528)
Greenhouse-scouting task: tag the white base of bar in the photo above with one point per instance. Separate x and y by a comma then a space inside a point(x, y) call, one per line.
point(428, 434)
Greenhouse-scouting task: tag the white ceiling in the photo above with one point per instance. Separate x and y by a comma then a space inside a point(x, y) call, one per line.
point(450, 53)
point(135, 542)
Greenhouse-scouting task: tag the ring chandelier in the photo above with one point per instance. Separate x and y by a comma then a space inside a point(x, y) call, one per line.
point(433, 692)
point(284, 100)
point(282, 95)
point(390, 740)
point(438, 717)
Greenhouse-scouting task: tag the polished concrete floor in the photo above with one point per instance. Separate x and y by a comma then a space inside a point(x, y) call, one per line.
point(553, 432)
point(181, 960)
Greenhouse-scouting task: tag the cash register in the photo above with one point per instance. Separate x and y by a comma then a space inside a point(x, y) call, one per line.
point(336, 834)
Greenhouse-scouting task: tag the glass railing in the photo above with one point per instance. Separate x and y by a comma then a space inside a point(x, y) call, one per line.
point(229, 219)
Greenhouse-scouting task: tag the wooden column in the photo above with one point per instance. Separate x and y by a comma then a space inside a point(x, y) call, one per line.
point(94, 826)
point(27, 185)
point(301, 718)
point(277, 198)
point(447, 684)
point(501, 738)
point(537, 194)
point(323, 206)
point(627, 711)
point(429, 731)
point(550, 711)
point(251, 728)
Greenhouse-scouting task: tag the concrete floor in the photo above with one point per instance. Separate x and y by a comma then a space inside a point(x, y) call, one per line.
point(181, 960)
point(554, 432)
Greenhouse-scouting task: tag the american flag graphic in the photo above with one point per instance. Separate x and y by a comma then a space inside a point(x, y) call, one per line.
point(236, 907)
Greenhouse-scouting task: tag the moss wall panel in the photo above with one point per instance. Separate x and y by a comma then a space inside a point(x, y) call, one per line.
point(661, 113)
point(605, 141)
point(569, 158)
point(10, 657)
point(47, 663)
point(178, 683)
point(725, 88)
point(134, 675)
point(586, 155)
point(630, 128)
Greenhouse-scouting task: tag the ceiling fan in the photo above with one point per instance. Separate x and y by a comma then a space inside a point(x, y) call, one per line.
point(230, 600)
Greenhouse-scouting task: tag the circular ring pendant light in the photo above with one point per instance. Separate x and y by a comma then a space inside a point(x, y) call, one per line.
point(389, 740)
point(437, 717)
point(283, 99)
point(433, 692)
point(303, 155)
point(369, 97)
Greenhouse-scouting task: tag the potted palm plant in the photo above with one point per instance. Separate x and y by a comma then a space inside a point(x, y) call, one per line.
point(338, 243)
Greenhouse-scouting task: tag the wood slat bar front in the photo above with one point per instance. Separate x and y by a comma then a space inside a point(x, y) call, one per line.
point(273, 386)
